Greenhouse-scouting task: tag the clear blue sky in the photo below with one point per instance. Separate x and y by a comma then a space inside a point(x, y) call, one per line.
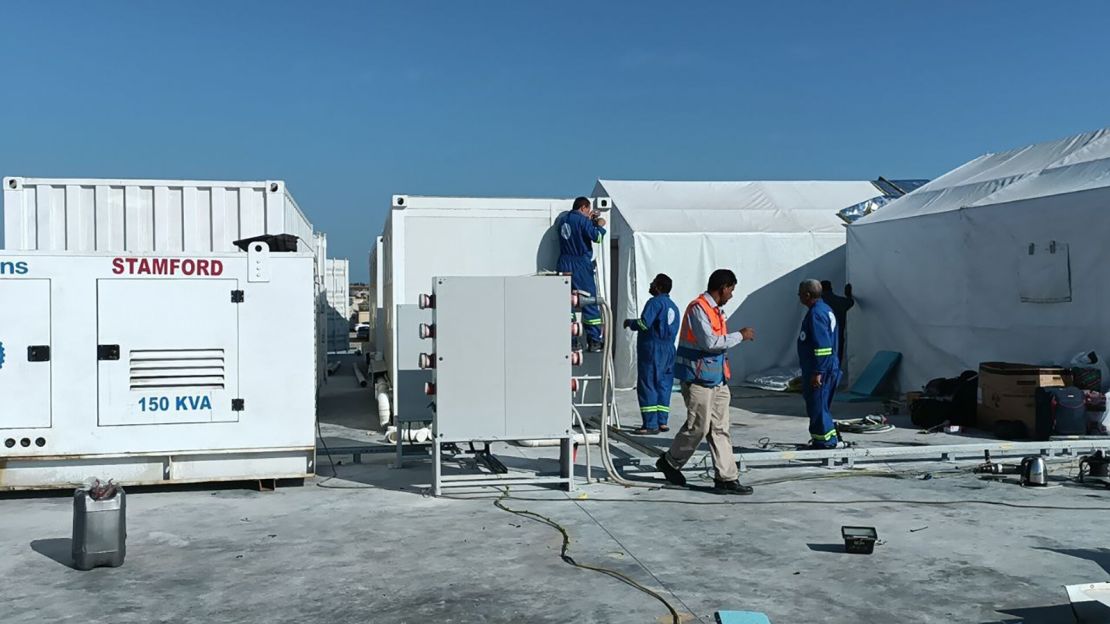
point(351, 102)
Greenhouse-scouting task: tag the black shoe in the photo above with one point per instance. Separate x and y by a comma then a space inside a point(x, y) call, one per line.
point(593, 346)
point(731, 487)
point(820, 446)
point(672, 474)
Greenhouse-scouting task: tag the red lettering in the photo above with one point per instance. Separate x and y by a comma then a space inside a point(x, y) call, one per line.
point(168, 266)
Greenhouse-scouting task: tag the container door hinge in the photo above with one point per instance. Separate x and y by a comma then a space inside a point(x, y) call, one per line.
point(237, 296)
point(238, 405)
point(38, 353)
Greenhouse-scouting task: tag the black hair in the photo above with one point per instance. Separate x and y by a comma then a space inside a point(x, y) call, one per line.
point(663, 283)
point(826, 286)
point(720, 279)
point(581, 202)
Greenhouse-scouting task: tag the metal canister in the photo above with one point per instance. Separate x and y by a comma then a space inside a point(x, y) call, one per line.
point(99, 527)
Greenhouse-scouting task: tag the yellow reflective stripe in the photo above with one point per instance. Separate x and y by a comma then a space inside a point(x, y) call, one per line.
point(592, 321)
point(824, 351)
point(641, 322)
point(824, 438)
point(600, 238)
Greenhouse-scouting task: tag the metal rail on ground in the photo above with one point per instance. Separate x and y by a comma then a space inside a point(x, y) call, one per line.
point(847, 457)
point(944, 452)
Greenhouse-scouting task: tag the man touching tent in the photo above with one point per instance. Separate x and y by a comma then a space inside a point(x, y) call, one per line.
point(579, 230)
point(817, 349)
point(656, 330)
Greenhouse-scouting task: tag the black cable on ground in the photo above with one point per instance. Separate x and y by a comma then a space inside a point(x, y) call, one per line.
point(320, 436)
point(524, 513)
point(334, 472)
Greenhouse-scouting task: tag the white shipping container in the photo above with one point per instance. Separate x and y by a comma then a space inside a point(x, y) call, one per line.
point(338, 285)
point(338, 292)
point(321, 319)
point(376, 300)
point(85, 215)
point(426, 237)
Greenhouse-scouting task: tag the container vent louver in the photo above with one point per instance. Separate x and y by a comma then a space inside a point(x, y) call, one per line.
point(177, 368)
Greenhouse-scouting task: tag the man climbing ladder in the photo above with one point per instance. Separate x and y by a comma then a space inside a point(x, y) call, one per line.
point(579, 229)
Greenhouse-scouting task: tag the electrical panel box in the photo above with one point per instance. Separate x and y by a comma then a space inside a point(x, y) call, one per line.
point(501, 357)
point(155, 368)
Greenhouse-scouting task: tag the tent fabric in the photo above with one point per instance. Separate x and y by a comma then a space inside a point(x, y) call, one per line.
point(1072, 164)
point(772, 234)
point(1001, 259)
point(696, 207)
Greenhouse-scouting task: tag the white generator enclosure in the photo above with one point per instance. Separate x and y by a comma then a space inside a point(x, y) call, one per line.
point(153, 369)
point(425, 237)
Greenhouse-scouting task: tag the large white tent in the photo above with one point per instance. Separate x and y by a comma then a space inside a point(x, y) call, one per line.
point(772, 234)
point(1001, 259)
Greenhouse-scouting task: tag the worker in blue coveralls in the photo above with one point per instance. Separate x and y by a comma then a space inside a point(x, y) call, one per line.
point(579, 230)
point(817, 357)
point(657, 328)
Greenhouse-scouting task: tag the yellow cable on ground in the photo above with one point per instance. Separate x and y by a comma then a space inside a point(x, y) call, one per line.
point(565, 556)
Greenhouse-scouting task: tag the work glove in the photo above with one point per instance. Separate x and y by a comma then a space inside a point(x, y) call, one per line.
point(629, 323)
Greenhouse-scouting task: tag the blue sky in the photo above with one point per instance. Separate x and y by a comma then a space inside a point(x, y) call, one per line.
point(351, 102)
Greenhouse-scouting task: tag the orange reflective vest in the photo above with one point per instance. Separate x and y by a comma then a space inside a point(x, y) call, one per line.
point(692, 363)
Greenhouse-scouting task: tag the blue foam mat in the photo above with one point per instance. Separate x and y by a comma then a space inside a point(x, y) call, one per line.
point(741, 617)
point(878, 371)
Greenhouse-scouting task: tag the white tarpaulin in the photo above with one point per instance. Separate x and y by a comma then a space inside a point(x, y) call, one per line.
point(772, 234)
point(1001, 259)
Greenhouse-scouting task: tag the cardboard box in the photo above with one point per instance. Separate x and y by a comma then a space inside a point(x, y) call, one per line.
point(1006, 392)
point(911, 397)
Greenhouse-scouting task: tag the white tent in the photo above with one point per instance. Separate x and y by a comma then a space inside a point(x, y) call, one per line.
point(1001, 259)
point(772, 234)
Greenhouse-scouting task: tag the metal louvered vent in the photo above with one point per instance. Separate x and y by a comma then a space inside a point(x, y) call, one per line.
point(177, 368)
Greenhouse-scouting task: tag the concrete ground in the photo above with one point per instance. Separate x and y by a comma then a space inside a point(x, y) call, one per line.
point(371, 546)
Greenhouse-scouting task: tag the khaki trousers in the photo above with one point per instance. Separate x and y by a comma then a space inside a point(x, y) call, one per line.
point(707, 418)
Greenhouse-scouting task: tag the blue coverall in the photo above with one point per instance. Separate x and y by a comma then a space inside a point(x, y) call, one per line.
point(577, 235)
point(658, 328)
point(817, 353)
